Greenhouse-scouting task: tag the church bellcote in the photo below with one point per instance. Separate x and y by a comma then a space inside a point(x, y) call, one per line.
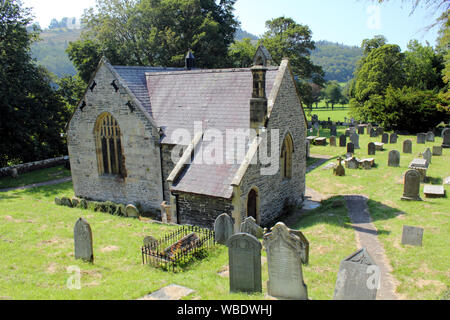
point(189, 60)
point(258, 102)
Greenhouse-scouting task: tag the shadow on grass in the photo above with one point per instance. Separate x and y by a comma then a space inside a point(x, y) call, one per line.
point(48, 191)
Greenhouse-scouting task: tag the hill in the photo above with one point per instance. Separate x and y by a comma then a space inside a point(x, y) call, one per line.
point(337, 60)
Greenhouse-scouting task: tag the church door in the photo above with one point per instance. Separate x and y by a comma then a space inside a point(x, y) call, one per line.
point(252, 204)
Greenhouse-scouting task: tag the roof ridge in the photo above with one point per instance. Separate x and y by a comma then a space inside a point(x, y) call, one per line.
point(201, 71)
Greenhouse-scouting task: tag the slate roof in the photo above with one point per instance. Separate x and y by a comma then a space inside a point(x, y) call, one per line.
point(219, 99)
point(134, 78)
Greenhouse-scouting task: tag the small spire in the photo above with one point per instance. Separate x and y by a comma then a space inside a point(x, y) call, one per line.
point(189, 60)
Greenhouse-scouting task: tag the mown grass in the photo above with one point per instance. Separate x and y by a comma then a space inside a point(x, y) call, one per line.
point(36, 242)
point(423, 273)
point(338, 114)
point(43, 175)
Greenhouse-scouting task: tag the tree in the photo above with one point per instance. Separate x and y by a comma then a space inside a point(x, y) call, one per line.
point(155, 32)
point(370, 44)
point(241, 53)
point(333, 93)
point(32, 116)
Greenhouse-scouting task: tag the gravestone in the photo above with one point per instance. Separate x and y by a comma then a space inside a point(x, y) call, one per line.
point(321, 141)
point(339, 170)
point(437, 151)
point(421, 165)
point(446, 138)
point(82, 235)
point(421, 138)
point(333, 131)
point(380, 131)
point(150, 241)
point(365, 164)
point(373, 133)
point(430, 136)
point(223, 228)
point(407, 146)
point(284, 257)
point(333, 141)
point(342, 141)
point(244, 254)
point(427, 155)
point(394, 158)
point(132, 211)
point(350, 148)
point(360, 130)
point(385, 138)
point(354, 138)
point(304, 244)
point(352, 163)
point(434, 191)
point(393, 138)
point(412, 236)
point(251, 227)
point(369, 129)
point(411, 186)
point(379, 146)
point(358, 278)
point(371, 149)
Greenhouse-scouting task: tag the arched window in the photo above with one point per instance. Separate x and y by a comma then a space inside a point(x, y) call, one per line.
point(108, 146)
point(286, 157)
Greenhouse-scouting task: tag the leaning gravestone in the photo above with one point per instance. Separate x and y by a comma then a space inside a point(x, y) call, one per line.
point(430, 136)
point(407, 146)
point(244, 254)
point(304, 244)
point(350, 148)
point(82, 236)
point(342, 141)
point(223, 228)
point(358, 278)
point(411, 187)
point(385, 138)
point(427, 155)
point(393, 138)
point(333, 141)
point(394, 158)
point(412, 236)
point(354, 138)
point(251, 227)
point(446, 138)
point(437, 151)
point(421, 138)
point(371, 149)
point(284, 257)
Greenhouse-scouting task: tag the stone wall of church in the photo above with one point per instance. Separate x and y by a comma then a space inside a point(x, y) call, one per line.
point(142, 184)
point(275, 193)
point(201, 210)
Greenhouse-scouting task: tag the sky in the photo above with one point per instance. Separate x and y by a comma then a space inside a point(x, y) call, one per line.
point(343, 21)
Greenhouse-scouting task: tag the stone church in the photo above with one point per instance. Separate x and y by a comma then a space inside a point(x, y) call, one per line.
point(122, 140)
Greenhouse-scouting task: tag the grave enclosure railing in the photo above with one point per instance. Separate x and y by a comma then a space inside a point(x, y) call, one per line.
point(178, 248)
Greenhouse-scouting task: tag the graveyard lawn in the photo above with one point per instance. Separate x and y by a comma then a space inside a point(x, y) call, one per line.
point(38, 176)
point(36, 241)
point(421, 272)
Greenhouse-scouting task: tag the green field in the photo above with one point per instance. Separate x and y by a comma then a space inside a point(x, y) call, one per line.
point(338, 114)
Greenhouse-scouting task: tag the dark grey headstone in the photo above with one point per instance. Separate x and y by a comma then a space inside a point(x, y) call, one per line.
point(223, 228)
point(371, 149)
point(342, 141)
point(380, 131)
point(412, 236)
point(407, 146)
point(437, 151)
point(373, 133)
point(350, 148)
point(360, 130)
point(251, 227)
point(82, 236)
point(394, 158)
point(393, 138)
point(333, 131)
point(385, 138)
point(333, 141)
point(411, 187)
point(446, 138)
point(284, 257)
point(358, 278)
point(244, 252)
point(421, 138)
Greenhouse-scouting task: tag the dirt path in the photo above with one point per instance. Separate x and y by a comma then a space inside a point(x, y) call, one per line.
point(367, 237)
point(41, 184)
